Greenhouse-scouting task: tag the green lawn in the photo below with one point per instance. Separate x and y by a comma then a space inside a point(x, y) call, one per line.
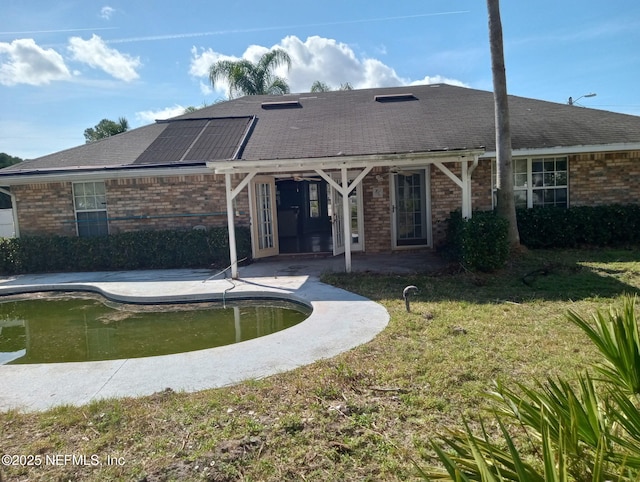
point(368, 414)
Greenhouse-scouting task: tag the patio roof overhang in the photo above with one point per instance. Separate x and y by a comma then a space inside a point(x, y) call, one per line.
point(467, 158)
point(238, 166)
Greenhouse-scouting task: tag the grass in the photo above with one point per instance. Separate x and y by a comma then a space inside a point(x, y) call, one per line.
point(368, 414)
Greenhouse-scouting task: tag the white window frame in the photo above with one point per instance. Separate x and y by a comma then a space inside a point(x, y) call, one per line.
point(95, 204)
point(528, 188)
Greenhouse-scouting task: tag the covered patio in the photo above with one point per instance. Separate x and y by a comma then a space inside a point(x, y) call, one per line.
point(342, 174)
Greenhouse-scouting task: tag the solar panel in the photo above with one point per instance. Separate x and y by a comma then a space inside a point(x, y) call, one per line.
point(190, 140)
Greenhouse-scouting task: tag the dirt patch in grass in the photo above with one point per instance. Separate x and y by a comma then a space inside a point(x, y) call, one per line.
point(367, 414)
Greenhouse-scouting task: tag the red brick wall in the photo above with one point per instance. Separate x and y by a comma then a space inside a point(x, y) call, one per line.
point(175, 202)
point(45, 208)
point(604, 178)
point(187, 201)
point(376, 200)
point(446, 196)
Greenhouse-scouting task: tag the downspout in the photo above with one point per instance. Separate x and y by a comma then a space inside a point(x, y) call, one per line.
point(14, 211)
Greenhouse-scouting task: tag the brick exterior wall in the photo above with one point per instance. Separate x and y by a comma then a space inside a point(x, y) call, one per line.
point(182, 202)
point(376, 200)
point(45, 209)
point(446, 196)
point(176, 202)
point(135, 204)
point(604, 178)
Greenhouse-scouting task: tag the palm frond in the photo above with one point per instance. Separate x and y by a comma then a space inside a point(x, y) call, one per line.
point(247, 78)
point(616, 335)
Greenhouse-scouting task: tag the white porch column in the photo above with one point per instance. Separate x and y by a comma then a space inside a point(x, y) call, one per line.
point(463, 182)
point(346, 219)
point(233, 254)
point(466, 191)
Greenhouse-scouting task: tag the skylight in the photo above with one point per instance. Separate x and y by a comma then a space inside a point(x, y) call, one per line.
point(281, 104)
point(402, 97)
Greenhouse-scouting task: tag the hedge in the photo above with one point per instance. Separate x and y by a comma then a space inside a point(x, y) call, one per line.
point(596, 226)
point(479, 243)
point(126, 251)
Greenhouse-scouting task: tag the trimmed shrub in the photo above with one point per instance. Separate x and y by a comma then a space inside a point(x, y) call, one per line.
point(125, 251)
point(612, 225)
point(479, 243)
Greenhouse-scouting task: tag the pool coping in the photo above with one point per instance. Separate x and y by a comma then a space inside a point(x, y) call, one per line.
point(340, 320)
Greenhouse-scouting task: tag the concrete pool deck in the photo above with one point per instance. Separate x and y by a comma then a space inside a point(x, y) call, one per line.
point(340, 321)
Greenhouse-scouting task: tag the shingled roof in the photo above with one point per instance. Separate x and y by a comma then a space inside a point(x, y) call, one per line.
point(393, 120)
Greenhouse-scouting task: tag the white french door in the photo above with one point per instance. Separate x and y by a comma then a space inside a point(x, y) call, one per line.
point(264, 220)
point(337, 222)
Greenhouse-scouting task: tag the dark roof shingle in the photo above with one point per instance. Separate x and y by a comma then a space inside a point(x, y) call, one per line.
point(341, 123)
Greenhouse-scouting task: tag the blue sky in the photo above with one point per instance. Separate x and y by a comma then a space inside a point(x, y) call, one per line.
point(65, 65)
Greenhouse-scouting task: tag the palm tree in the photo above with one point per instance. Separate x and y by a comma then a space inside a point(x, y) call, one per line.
point(506, 207)
point(248, 78)
point(319, 86)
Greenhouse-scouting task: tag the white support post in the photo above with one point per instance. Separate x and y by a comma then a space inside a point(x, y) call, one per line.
point(346, 218)
point(233, 255)
point(466, 191)
point(464, 182)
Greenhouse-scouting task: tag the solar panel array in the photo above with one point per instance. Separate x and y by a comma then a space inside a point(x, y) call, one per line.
point(196, 140)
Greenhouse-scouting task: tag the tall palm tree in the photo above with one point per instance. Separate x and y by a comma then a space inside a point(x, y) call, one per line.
point(504, 165)
point(248, 78)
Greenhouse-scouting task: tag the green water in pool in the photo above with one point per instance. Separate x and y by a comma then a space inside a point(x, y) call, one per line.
point(46, 328)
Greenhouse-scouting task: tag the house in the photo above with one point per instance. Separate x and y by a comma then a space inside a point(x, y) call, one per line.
point(382, 168)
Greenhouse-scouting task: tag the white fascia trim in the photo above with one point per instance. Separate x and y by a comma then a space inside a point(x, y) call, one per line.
point(565, 150)
point(99, 175)
point(350, 162)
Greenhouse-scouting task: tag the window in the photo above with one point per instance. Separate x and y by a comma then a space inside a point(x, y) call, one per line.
point(90, 202)
point(539, 182)
point(314, 201)
point(549, 182)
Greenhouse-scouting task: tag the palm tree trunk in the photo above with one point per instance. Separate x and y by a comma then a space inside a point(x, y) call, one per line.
point(504, 179)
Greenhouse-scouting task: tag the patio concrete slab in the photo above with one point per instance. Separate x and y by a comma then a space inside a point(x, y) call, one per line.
point(340, 321)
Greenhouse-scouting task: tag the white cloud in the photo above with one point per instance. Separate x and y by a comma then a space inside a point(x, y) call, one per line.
point(24, 62)
point(439, 79)
point(317, 58)
point(201, 60)
point(150, 116)
point(95, 53)
point(107, 12)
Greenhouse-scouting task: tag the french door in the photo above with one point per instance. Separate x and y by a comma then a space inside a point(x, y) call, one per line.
point(264, 220)
point(410, 209)
point(357, 222)
point(337, 222)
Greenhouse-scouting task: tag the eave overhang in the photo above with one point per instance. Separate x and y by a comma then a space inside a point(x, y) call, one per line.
point(86, 173)
point(567, 150)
